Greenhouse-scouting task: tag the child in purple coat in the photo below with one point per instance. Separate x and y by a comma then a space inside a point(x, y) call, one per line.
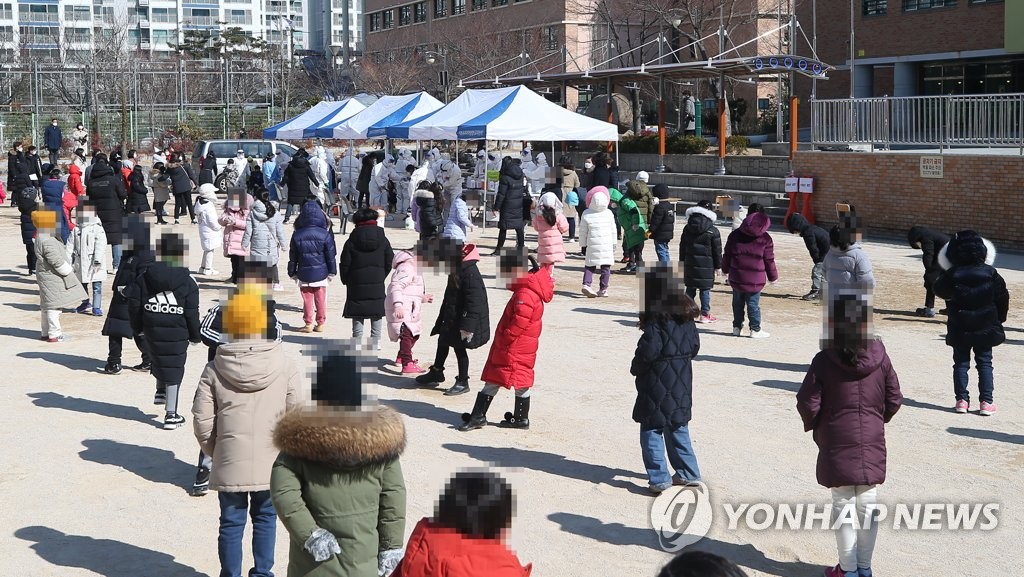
point(748, 261)
point(848, 395)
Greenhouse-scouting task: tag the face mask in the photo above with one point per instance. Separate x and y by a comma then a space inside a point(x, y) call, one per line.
point(588, 165)
point(55, 124)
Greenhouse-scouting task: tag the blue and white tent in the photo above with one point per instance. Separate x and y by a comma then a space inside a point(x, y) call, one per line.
point(386, 111)
point(305, 124)
point(443, 124)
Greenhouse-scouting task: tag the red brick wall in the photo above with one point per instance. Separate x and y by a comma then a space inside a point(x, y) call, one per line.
point(980, 192)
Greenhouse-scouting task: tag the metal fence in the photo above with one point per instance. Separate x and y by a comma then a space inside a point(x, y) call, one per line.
point(984, 120)
point(143, 103)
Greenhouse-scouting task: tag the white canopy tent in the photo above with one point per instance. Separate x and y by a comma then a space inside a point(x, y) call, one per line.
point(387, 110)
point(525, 115)
point(304, 125)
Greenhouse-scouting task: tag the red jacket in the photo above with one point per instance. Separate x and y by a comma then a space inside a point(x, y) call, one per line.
point(70, 202)
point(435, 551)
point(75, 180)
point(514, 348)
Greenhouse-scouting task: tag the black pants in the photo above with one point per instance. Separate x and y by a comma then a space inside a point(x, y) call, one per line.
point(30, 256)
point(363, 195)
point(520, 240)
point(636, 254)
point(158, 208)
point(461, 356)
point(237, 268)
point(182, 203)
point(114, 349)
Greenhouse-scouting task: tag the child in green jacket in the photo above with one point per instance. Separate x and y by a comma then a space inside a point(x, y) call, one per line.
point(634, 229)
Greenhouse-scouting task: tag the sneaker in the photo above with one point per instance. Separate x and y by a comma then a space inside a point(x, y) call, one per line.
point(707, 319)
point(193, 221)
point(173, 421)
point(602, 293)
point(59, 339)
point(412, 368)
point(160, 398)
point(320, 328)
point(176, 221)
point(306, 329)
point(212, 272)
point(112, 369)
point(987, 409)
point(812, 296)
point(201, 486)
point(681, 482)
point(142, 367)
point(925, 312)
point(97, 312)
point(758, 334)
point(431, 378)
point(625, 259)
point(837, 571)
point(659, 488)
point(83, 308)
point(962, 406)
point(588, 291)
point(864, 572)
point(736, 331)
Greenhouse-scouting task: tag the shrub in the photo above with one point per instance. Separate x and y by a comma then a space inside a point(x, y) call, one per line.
point(687, 145)
point(639, 144)
point(737, 144)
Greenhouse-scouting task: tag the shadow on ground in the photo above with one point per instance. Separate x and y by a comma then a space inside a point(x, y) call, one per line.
point(791, 386)
point(153, 465)
point(604, 312)
point(909, 402)
point(988, 435)
point(101, 556)
point(756, 363)
point(509, 457)
point(88, 406)
point(72, 362)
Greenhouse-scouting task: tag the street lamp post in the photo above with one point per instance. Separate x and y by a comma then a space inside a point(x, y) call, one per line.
point(431, 58)
point(337, 80)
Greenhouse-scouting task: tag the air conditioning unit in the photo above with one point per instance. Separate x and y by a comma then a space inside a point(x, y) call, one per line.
point(144, 45)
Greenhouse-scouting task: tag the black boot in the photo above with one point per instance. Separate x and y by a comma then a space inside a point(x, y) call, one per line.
point(461, 386)
point(521, 418)
point(814, 295)
point(431, 377)
point(478, 418)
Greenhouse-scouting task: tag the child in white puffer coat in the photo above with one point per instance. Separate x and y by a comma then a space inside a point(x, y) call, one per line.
point(597, 240)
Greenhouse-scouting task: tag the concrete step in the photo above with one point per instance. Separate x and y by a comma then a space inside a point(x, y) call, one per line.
point(776, 213)
point(695, 194)
point(724, 182)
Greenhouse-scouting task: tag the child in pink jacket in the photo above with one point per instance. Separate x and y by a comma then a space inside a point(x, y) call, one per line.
point(550, 224)
point(233, 219)
point(402, 306)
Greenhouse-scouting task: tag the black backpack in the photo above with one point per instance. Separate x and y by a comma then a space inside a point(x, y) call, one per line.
point(27, 199)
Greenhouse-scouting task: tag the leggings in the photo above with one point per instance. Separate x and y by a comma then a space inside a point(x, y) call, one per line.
point(520, 240)
point(461, 356)
point(182, 203)
point(237, 267)
point(572, 227)
point(491, 389)
point(158, 208)
point(30, 256)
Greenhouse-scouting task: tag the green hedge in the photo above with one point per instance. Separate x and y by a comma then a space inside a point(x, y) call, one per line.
point(676, 144)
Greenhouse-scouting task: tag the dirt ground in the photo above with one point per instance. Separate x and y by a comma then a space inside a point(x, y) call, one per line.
point(93, 486)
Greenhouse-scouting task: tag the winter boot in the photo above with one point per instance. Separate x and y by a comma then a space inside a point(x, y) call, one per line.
point(432, 377)
point(461, 386)
point(478, 418)
point(521, 418)
point(814, 295)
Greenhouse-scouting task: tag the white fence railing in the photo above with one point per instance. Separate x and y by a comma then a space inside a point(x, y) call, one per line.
point(984, 120)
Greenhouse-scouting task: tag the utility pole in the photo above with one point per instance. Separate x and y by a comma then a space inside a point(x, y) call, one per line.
point(345, 30)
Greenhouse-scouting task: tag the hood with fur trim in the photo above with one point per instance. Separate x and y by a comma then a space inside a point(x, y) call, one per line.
point(341, 439)
point(966, 248)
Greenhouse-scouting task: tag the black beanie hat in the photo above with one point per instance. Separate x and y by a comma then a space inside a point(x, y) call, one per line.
point(341, 376)
point(660, 191)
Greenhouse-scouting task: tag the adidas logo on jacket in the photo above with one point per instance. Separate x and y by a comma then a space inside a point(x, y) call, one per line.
point(164, 303)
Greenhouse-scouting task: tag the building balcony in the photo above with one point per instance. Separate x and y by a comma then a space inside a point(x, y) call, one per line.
point(144, 23)
point(144, 45)
point(38, 18)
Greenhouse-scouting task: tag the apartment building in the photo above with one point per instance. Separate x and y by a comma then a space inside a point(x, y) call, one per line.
point(326, 25)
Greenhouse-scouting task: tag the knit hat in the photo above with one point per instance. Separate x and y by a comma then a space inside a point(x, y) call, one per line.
point(208, 191)
point(597, 190)
point(643, 176)
point(660, 190)
point(245, 314)
point(966, 247)
point(341, 375)
point(44, 219)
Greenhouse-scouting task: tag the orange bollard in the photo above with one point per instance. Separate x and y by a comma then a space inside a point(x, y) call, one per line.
point(806, 210)
point(792, 207)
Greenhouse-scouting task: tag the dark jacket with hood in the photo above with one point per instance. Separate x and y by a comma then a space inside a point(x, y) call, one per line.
point(208, 171)
point(815, 237)
point(133, 263)
point(847, 407)
point(748, 260)
point(431, 220)
point(663, 220)
point(27, 204)
point(464, 307)
point(182, 180)
point(339, 471)
point(508, 202)
point(53, 199)
point(700, 248)
point(976, 297)
point(365, 263)
point(15, 165)
point(106, 191)
point(297, 176)
point(641, 195)
point(664, 376)
point(164, 305)
point(138, 195)
point(930, 242)
point(312, 252)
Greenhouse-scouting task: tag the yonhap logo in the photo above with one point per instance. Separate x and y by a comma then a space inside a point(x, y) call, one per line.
point(164, 303)
point(681, 516)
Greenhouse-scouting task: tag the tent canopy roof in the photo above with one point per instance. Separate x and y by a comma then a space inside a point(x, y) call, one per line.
point(304, 125)
point(386, 111)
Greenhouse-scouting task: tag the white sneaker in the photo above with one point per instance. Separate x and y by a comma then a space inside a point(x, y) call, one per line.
point(602, 293)
point(212, 272)
point(759, 334)
point(588, 291)
point(736, 331)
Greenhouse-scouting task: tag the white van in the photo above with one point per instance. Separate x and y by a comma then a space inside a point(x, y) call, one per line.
point(228, 148)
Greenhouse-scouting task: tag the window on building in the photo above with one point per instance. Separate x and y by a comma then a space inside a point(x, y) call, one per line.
point(499, 2)
point(875, 7)
point(76, 13)
point(40, 12)
point(164, 37)
point(76, 34)
point(7, 33)
point(38, 34)
point(162, 15)
point(458, 7)
point(419, 12)
point(239, 17)
point(440, 8)
point(985, 1)
point(404, 15)
point(479, 4)
point(914, 5)
point(6, 12)
point(374, 24)
point(388, 19)
point(551, 38)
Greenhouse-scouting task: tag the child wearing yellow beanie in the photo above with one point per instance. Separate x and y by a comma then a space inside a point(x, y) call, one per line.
point(58, 286)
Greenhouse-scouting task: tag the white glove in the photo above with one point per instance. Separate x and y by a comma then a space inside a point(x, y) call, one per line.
point(466, 336)
point(322, 545)
point(387, 561)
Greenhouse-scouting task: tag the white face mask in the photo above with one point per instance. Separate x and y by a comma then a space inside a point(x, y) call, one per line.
point(588, 165)
point(55, 124)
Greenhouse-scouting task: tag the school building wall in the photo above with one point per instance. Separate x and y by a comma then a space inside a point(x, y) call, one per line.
point(985, 193)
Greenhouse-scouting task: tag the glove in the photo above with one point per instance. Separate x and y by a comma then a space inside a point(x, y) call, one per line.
point(466, 336)
point(387, 561)
point(321, 545)
point(399, 314)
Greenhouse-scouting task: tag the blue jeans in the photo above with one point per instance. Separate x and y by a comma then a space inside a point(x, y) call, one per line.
point(115, 255)
point(661, 249)
point(962, 365)
point(752, 302)
point(705, 298)
point(97, 294)
point(653, 445)
point(233, 508)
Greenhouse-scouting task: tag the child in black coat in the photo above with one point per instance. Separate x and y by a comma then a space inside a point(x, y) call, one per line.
point(664, 378)
point(137, 258)
point(978, 302)
point(164, 306)
point(930, 242)
point(818, 243)
point(662, 225)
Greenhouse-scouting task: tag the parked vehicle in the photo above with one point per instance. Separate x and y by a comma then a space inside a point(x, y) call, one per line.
point(226, 149)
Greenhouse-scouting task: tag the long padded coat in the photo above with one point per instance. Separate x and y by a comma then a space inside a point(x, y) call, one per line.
point(264, 236)
point(597, 230)
point(312, 251)
point(930, 242)
point(164, 305)
point(664, 375)
point(234, 220)
point(975, 292)
point(508, 202)
point(405, 293)
point(118, 321)
point(365, 262)
point(748, 260)
point(516, 338)
point(700, 248)
point(106, 191)
point(464, 307)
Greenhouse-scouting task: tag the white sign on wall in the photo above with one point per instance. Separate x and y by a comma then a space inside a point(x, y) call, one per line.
point(807, 185)
point(931, 167)
point(792, 184)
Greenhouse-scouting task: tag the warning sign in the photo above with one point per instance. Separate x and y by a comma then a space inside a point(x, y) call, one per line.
point(931, 167)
